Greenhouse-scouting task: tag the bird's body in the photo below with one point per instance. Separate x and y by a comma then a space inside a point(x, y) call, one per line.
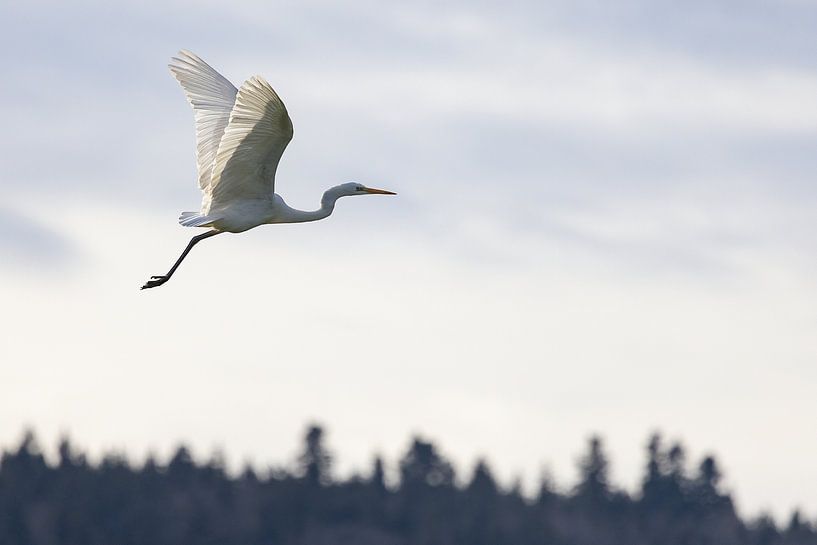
point(240, 137)
point(241, 215)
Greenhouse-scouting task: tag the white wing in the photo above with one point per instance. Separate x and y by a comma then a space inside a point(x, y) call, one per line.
point(256, 136)
point(212, 97)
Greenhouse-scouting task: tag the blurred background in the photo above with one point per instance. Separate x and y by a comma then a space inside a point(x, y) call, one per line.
point(605, 224)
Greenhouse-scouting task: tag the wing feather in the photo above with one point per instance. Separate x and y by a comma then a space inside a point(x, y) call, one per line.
point(212, 97)
point(251, 147)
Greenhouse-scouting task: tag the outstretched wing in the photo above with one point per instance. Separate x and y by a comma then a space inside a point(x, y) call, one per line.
point(253, 142)
point(212, 97)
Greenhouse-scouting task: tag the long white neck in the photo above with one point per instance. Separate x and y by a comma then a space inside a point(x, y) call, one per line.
point(330, 196)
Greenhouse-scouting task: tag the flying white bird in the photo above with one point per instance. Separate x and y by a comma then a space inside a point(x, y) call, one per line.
point(240, 137)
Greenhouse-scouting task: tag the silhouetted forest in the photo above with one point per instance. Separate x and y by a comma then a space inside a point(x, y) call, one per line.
point(73, 501)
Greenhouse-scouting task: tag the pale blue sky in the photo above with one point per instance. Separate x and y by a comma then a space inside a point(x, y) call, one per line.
point(606, 222)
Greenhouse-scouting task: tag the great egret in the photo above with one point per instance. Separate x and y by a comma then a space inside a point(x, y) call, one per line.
point(240, 137)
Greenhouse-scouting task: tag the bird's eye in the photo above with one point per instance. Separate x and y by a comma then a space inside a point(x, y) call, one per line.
point(359, 188)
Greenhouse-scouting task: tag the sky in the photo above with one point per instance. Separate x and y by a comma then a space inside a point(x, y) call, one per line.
point(606, 223)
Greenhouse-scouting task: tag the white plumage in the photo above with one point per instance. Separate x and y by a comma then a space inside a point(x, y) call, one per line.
point(240, 137)
point(212, 97)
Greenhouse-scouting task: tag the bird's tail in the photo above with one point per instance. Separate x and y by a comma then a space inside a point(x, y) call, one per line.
point(195, 219)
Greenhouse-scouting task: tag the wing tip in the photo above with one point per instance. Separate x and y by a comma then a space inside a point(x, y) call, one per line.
point(185, 59)
point(186, 54)
point(258, 85)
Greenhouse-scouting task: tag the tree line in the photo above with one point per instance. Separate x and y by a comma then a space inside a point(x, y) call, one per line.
point(181, 501)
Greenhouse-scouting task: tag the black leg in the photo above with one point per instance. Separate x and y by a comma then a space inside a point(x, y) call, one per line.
point(159, 280)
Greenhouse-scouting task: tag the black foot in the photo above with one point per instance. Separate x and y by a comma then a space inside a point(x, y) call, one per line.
point(155, 281)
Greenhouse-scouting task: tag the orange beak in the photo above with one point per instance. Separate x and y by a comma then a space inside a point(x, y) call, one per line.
point(378, 191)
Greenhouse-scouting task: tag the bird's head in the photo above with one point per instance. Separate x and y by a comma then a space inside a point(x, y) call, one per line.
point(349, 189)
point(355, 188)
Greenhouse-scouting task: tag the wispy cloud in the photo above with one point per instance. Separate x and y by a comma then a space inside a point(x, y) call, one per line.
point(27, 244)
